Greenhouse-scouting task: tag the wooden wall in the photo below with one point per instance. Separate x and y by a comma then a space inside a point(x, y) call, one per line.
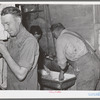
point(84, 19)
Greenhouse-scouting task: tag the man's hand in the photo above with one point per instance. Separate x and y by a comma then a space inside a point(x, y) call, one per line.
point(3, 48)
point(47, 69)
point(61, 75)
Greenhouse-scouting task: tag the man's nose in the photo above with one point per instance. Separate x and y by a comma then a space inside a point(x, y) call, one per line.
point(5, 27)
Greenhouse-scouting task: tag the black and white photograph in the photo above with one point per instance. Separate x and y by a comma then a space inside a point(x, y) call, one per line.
point(50, 47)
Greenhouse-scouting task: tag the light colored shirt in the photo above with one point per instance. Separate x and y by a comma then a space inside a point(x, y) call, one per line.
point(24, 49)
point(69, 47)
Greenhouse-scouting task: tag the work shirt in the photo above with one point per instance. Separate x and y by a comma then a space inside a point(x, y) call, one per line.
point(70, 47)
point(24, 50)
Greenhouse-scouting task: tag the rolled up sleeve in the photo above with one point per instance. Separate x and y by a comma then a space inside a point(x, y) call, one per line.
point(28, 53)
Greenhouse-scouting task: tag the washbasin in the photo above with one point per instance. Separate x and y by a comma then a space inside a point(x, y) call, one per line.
point(51, 80)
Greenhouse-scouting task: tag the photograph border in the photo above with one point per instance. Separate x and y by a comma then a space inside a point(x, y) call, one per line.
point(41, 95)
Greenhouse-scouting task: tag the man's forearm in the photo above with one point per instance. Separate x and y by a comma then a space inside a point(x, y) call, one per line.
point(62, 66)
point(18, 71)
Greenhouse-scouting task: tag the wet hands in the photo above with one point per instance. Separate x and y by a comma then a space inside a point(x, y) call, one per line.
point(61, 75)
point(52, 57)
point(47, 69)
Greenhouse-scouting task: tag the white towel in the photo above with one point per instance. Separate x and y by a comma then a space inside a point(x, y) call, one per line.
point(3, 65)
point(3, 74)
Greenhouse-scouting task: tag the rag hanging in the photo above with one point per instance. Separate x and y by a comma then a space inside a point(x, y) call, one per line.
point(3, 65)
point(3, 74)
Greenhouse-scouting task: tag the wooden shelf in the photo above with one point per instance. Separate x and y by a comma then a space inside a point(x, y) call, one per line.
point(32, 11)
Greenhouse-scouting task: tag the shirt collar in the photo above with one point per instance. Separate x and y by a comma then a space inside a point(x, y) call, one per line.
point(21, 32)
point(63, 31)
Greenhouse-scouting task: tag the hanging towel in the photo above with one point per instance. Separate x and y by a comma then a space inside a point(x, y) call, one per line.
point(3, 65)
point(3, 74)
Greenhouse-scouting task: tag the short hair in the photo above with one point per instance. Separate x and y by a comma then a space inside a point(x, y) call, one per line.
point(11, 10)
point(57, 26)
point(36, 30)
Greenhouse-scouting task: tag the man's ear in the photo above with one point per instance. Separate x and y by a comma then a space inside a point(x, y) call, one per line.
point(18, 20)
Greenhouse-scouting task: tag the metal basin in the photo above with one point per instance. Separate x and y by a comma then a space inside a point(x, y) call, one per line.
point(52, 80)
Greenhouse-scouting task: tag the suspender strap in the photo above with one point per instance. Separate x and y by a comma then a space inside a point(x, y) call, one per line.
point(81, 38)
